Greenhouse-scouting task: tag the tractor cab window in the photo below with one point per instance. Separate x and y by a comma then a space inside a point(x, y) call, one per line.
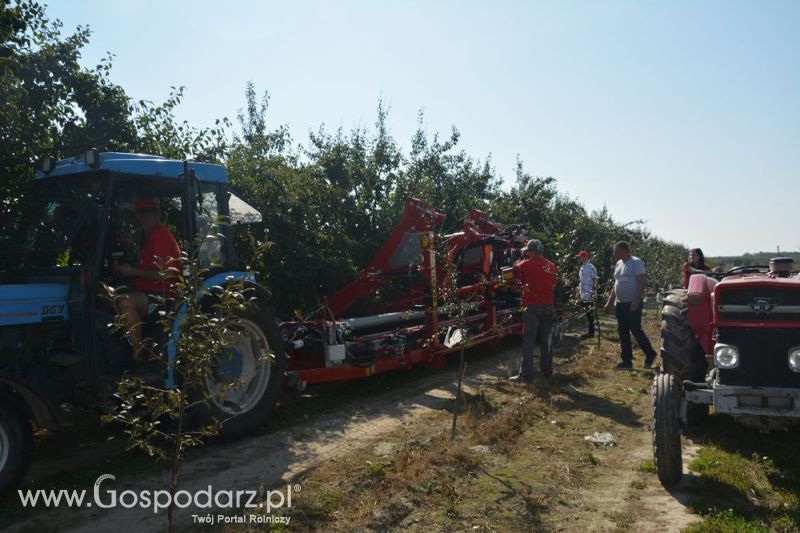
point(216, 211)
point(55, 222)
point(242, 212)
point(125, 235)
point(243, 228)
point(220, 212)
point(211, 228)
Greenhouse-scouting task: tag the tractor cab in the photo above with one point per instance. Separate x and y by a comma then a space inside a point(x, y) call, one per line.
point(75, 222)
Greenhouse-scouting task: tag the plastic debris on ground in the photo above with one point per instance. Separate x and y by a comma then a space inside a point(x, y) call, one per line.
point(600, 439)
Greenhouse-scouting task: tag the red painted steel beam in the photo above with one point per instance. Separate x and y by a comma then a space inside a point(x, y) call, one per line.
point(418, 217)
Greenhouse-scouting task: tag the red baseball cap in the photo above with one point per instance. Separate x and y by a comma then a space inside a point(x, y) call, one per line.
point(583, 253)
point(146, 204)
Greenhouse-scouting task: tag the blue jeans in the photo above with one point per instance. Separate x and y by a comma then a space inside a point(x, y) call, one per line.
point(538, 322)
point(631, 322)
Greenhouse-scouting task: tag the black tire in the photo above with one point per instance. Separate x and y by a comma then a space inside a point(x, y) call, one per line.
point(242, 419)
point(681, 353)
point(665, 428)
point(16, 443)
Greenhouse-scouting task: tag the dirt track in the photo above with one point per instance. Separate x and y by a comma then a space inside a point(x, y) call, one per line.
point(276, 458)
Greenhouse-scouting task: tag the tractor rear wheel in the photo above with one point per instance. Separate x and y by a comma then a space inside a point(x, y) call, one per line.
point(681, 353)
point(16, 442)
point(665, 428)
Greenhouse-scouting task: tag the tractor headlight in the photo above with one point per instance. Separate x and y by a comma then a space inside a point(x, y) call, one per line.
point(794, 359)
point(727, 356)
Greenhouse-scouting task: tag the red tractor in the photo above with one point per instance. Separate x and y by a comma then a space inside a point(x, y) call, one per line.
point(732, 342)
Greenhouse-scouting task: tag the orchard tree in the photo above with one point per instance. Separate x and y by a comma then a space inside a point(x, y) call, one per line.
point(450, 180)
point(54, 106)
point(50, 102)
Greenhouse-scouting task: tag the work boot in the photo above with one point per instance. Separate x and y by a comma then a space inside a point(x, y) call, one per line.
point(519, 378)
point(624, 366)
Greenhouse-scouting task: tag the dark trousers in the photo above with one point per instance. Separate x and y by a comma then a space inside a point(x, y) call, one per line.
point(588, 308)
point(538, 321)
point(631, 322)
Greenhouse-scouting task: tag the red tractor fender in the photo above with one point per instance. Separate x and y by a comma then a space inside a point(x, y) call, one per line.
point(700, 310)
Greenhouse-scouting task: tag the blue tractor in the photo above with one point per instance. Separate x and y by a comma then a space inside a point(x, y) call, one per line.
point(57, 248)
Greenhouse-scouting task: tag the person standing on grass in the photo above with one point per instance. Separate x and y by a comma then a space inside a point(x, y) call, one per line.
point(630, 280)
point(587, 288)
point(538, 276)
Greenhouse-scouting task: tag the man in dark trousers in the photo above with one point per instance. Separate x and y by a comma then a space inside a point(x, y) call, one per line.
point(630, 280)
point(538, 276)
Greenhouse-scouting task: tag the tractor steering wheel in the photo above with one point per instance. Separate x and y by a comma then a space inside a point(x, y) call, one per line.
point(746, 269)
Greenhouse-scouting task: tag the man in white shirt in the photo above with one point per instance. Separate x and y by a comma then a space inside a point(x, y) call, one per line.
point(587, 288)
point(630, 280)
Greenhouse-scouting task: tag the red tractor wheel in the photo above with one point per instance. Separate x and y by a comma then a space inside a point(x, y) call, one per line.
point(681, 353)
point(665, 427)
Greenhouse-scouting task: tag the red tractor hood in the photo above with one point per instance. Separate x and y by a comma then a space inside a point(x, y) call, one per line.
point(759, 280)
point(757, 301)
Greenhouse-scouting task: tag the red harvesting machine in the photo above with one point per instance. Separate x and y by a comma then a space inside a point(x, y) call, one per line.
point(455, 288)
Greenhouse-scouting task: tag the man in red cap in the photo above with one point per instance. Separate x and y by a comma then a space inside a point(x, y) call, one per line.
point(539, 278)
point(587, 288)
point(160, 251)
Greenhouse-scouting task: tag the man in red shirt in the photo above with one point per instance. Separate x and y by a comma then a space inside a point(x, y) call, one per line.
point(160, 250)
point(538, 276)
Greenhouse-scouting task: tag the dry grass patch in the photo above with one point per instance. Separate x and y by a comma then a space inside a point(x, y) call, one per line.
point(516, 464)
point(501, 429)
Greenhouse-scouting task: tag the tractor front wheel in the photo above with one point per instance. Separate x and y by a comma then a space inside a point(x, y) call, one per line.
point(247, 378)
point(666, 429)
point(681, 353)
point(16, 442)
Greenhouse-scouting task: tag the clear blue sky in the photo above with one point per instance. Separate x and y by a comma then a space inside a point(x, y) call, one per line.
point(685, 114)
